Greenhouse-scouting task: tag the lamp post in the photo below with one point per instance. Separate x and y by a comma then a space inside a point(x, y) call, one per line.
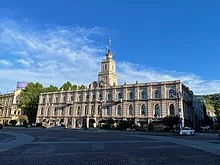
point(178, 96)
point(101, 103)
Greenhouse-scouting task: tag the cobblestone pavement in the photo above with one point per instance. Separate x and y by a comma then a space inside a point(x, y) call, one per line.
point(88, 147)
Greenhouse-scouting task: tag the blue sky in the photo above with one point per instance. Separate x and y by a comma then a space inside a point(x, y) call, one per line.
point(55, 41)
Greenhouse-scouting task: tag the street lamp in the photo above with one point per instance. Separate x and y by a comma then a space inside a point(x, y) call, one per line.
point(178, 95)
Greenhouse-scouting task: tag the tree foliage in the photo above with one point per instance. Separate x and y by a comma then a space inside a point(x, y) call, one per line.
point(212, 102)
point(51, 88)
point(68, 86)
point(30, 98)
point(170, 121)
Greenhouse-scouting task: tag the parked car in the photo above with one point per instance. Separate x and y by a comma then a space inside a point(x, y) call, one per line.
point(187, 131)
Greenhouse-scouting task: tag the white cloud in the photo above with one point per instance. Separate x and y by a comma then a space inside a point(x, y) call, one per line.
point(5, 63)
point(24, 62)
point(131, 73)
point(54, 55)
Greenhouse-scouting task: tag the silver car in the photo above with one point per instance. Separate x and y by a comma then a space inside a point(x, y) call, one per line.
point(187, 131)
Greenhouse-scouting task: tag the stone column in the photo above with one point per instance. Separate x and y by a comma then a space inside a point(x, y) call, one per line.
point(73, 124)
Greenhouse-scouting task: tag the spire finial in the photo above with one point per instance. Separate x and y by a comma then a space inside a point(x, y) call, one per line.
point(109, 43)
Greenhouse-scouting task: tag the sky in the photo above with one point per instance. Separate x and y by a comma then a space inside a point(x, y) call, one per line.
point(55, 41)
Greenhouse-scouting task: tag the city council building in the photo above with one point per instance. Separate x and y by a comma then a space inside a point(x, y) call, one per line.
point(104, 99)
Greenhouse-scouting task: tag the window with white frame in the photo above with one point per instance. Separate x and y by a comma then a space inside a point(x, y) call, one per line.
point(157, 110)
point(172, 110)
point(131, 96)
point(130, 109)
point(78, 110)
point(171, 93)
point(157, 94)
point(99, 109)
point(119, 95)
point(143, 109)
point(108, 110)
point(143, 95)
point(119, 110)
point(109, 96)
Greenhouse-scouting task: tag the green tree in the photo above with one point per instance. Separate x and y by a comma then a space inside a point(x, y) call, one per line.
point(82, 87)
point(30, 98)
point(170, 121)
point(51, 88)
point(66, 86)
point(74, 87)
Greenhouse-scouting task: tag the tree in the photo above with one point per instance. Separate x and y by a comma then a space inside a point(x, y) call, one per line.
point(30, 98)
point(66, 86)
point(82, 87)
point(51, 88)
point(170, 121)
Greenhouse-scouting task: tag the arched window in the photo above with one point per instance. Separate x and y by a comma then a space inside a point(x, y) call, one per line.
point(87, 97)
point(86, 109)
point(157, 94)
point(143, 110)
point(55, 111)
point(157, 110)
point(57, 100)
point(63, 111)
point(130, 110)
point(119, 110)
point(78, 110)
point(94, 97)
point(43, 100)
point(93, 110)
point(119, 95)
point(108, 110)
point(80, 98)
point(64, 99)
point(42, 111)
point(48, 111)
point(109, 96)
point(72, 98)
point(70, 111)
point(143, 95)
point(171, 93)
point(172, 111)
point(100, 96)
point(99, 110)
point(131, 96)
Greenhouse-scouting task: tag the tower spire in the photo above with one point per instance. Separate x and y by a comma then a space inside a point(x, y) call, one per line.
point(109, 43)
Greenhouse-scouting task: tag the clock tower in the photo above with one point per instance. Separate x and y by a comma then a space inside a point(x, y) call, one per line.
point(108, 75)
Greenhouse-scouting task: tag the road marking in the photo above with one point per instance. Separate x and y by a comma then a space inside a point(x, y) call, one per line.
point(20, 139)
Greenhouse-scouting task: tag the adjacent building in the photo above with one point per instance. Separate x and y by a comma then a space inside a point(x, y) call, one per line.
point(104, 99)
point(9, 102)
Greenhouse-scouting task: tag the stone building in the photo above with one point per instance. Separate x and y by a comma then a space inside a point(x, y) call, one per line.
point(9, 109)
point(105, 99)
